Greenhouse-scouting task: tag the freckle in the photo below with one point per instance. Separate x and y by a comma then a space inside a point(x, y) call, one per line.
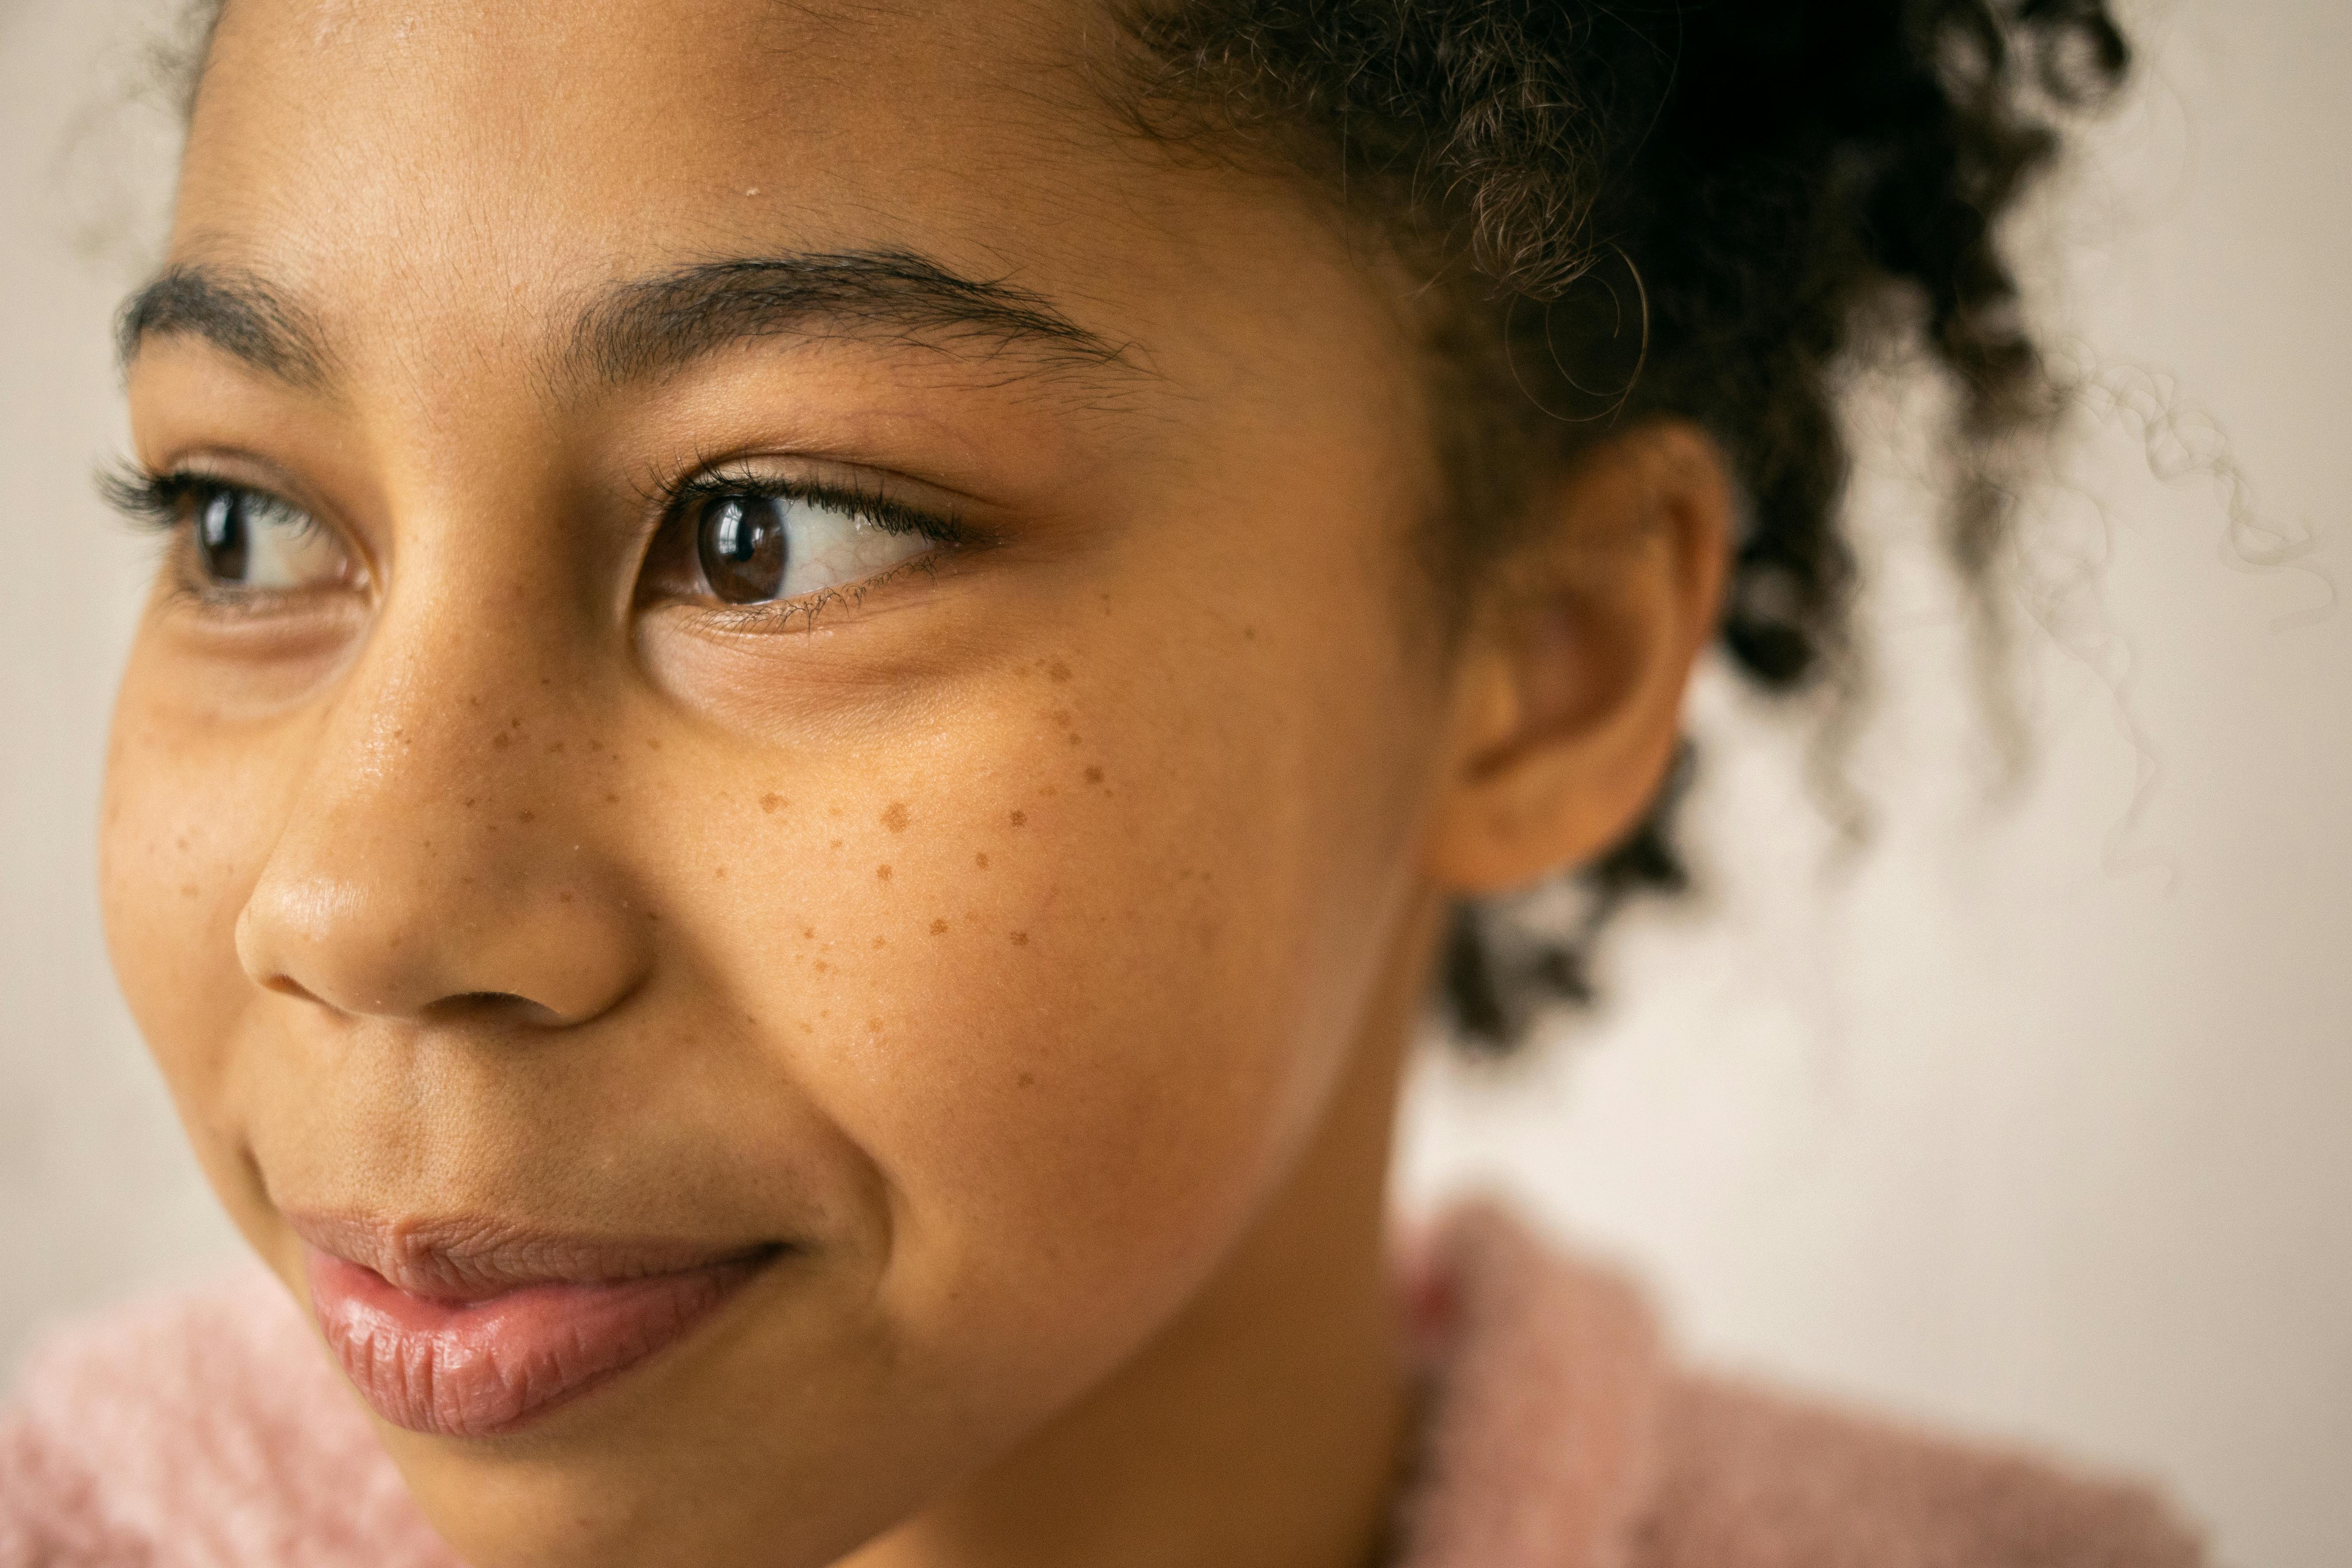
point(1048, 790)
point(556, 750)
point(500, 739)
point(563, 898)
point(771, 804)
point(1020, 819)
point(808, 933)
point(826, 1014)
point(1249, 634)
point(473, 703)
point(879, 944)
point(832, 811)
point(596, 746)
point(183, 841)
point(820, 966)
point(516, 724)
point(1094, 776)
point(1060, 671)
point(1021, 939)
point(875, 1025)
point(939, 927)
point(807, 1028)
point(651, 916)
point(980, 861)
point(188, 890)
point(894, 818)
point(881, 873)
point(612, 799)
point(525, 817)
point(1027, 1079)
point(653, 745)
point(1077, 738)
point(719, 872)
point(835, 845)
point(1062, 716)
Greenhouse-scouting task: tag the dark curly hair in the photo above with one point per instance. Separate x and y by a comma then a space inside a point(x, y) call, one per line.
point(1668, 208)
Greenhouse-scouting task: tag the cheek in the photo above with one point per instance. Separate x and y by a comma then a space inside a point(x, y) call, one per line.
point(186, 823)
point(176, 853)
point(1079, 972)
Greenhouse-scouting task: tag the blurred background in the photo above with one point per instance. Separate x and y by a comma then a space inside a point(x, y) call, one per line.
point(2033, 1114)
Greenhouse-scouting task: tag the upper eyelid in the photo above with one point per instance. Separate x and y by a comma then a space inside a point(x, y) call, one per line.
point(944, 525)
point(137, 489)
point(833, 477)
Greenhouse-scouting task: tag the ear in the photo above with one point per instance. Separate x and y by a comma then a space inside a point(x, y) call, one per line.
point(1568, 698)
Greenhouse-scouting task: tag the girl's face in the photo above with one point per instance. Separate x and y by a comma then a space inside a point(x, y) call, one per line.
point(789, 650)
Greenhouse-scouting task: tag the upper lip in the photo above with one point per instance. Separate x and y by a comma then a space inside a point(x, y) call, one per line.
point(464, 1257)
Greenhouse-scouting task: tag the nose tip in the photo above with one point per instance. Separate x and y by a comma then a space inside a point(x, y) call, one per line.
point(523, 954)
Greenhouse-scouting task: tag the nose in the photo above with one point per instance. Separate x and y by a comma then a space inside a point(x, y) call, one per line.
point(441, 853)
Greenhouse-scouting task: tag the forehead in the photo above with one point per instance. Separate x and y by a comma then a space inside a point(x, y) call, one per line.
point(468, 164)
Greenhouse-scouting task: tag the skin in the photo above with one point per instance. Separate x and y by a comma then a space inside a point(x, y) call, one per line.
point(1032, 939)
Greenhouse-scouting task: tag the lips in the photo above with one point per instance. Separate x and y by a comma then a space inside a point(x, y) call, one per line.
point(470, 1331)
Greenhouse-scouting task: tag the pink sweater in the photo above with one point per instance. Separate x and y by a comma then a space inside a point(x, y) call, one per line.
point(207, 1428)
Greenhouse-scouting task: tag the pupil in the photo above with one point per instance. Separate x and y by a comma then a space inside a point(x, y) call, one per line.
point(224, 538)
point(740, 539)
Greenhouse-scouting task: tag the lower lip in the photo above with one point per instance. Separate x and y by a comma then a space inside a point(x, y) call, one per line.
point(480, 1369)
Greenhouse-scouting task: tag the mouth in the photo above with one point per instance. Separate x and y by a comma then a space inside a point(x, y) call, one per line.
point(463, 1329)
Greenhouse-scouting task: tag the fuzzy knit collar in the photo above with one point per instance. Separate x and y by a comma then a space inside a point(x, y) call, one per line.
point(1544, 1375)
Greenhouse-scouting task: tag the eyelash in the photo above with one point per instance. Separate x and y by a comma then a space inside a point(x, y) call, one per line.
point(157, 503)
point(154, 501)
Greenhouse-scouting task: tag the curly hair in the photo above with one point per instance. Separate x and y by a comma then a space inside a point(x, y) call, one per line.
point(1669, 207)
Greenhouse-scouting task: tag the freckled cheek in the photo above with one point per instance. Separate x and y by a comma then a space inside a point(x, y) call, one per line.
point(181, 833)
point(1038, 999)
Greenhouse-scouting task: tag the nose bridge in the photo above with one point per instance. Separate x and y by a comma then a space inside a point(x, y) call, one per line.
point(443, 843)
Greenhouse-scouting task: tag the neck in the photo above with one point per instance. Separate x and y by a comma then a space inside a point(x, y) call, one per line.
point(1267, 1424)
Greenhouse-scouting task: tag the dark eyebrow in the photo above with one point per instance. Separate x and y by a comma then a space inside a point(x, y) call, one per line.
point(649, 328)
point(660, 324)
point(234, 312)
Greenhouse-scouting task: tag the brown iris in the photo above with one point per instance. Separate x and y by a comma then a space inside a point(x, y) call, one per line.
point(224, 535)
point(740, 542)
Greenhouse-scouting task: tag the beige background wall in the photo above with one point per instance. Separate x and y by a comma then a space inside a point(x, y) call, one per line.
point(2032, 1119)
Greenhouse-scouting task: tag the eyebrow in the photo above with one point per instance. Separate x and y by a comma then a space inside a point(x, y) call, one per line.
point(235, 311)
point(662, 324)
point(651, 327)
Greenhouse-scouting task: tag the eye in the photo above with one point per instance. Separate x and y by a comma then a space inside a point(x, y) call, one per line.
point(754, 548)
point(247, 539)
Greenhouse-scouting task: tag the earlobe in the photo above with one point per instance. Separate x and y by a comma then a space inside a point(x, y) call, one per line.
point(1567, 700)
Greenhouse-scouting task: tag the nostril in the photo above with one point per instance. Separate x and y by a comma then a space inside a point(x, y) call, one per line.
point(493, 1005)
point(286, 986)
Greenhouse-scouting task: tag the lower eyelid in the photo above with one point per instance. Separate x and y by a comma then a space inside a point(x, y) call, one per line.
point(794, 614)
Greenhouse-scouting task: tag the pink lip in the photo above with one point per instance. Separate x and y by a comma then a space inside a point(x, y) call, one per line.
point(484, 1330)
